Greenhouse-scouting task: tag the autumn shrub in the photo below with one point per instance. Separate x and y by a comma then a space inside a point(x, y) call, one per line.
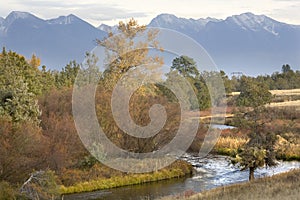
point(41, 185)
point(21, 150)
point(70, 177)
point(139, 107)
point(7, 192)
point(65, 148)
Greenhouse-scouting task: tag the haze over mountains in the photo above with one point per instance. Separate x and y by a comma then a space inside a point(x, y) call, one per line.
point(248, 43)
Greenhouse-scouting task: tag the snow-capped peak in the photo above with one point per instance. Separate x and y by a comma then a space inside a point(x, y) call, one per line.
point(165, 19)
point(106, 28)
point(249, 21)
point(64, 20)
point(12, 17)
point(169, 18)
point(1, 25)
point(203, 21)
point(16, 15)
point(180, 23)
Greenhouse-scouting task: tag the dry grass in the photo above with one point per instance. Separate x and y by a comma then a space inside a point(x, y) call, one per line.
point(285, 92)
point(285, 104)
point(276, 92)
point(284, 186)
point(231, 142)
point(285, 149)
point(229, 145)
point(288, 150)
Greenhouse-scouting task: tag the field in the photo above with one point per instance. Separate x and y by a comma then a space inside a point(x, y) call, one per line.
point(285, 92)
point(277, 92)
point(282, 98)
point(285, 104)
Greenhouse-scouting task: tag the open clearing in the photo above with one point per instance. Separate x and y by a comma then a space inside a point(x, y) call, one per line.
point(277, 92)
point(285, 104)
point(285, 92)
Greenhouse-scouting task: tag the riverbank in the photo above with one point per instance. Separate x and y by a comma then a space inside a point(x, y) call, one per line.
point(209, 172)
point(284, 123)
point(285, 150)
point(278, 187)
point(176, 170)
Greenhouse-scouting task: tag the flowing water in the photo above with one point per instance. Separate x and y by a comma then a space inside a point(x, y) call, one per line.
point(210, 172)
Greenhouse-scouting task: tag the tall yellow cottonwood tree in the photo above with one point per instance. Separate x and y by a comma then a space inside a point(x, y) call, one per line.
point(128, 56)
point(35, 61)
point(128, 49)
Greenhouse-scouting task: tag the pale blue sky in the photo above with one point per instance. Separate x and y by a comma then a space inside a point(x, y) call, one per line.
point(112, 11)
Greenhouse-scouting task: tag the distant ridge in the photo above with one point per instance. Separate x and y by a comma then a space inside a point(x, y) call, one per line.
point(252, 44)
point(248, 43)
point(55, 41)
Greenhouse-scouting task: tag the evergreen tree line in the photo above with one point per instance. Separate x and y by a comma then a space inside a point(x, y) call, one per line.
point(286, 79)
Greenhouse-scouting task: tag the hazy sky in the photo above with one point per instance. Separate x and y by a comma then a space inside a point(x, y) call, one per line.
point(112, 11)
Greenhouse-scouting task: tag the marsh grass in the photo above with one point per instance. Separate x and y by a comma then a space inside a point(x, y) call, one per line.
point(288, 149)
point(285, 150)
point(176, 170)
point(229, 145)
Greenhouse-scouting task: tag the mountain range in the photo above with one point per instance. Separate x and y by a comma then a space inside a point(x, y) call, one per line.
point(247, 43)
point(55, 41)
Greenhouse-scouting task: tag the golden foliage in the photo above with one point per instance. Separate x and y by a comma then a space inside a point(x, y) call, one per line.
point(34, 61)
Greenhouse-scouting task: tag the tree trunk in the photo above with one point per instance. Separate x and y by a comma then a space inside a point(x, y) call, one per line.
point(251, 173)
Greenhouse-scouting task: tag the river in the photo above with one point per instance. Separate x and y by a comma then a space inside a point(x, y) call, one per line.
point(210, 172)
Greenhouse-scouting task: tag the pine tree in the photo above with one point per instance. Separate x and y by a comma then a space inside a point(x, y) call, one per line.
point(259, 150)
point(19, 87)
